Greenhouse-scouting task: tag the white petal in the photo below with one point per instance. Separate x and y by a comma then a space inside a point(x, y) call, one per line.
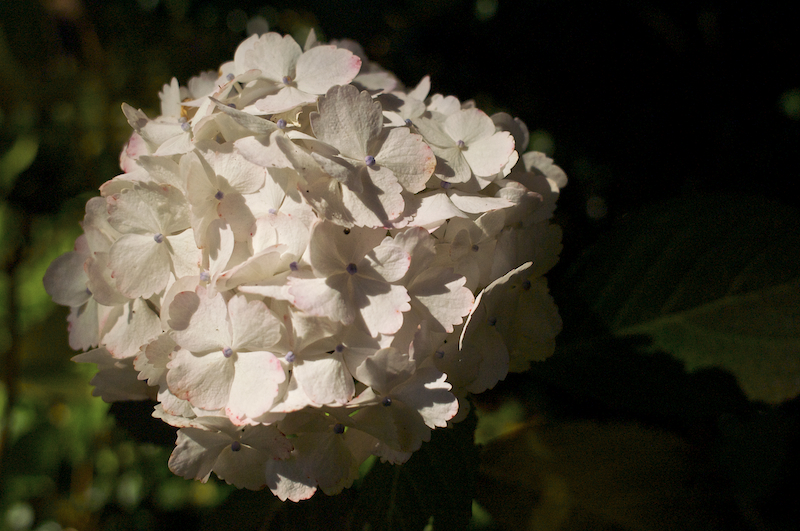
point(139, 264)
point(410, 159)
point(285, 99)
point(274, 55)
point(469, 125)
point(347, 120)
point(325, 380)
point(129, 328)
point(487, 156)
point(429, 394)
point(256, 380)
point(254, 326)
point(199, 322)
point(322, 67)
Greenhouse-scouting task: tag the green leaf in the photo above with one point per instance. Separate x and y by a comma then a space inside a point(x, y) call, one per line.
point(580, 475)
point(715, 281)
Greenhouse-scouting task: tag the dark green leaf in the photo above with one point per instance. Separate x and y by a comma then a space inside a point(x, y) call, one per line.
point(438, 481)
point(715, 281)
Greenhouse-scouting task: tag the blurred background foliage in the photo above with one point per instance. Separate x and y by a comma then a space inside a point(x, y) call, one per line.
point(671, 400)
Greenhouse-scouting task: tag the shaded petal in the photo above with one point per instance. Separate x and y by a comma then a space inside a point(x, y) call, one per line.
point(196, 451)
point(65, 280)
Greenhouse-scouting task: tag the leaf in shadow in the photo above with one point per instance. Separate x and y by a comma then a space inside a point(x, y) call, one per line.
point(714, 281)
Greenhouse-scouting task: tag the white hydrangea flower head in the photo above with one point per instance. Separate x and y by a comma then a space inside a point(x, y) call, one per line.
point(305, 263)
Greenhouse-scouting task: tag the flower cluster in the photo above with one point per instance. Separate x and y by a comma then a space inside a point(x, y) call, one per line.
point(306, 264)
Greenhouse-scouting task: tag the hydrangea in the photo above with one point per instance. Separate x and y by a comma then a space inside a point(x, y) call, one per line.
point(306, 264)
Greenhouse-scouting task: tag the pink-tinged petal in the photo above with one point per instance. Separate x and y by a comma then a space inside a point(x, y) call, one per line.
point(254, 326)
point(196, 451)
point(487, 156)
point(347, 120)
point(469, 125)
point(429, 394)
point(285, 99)
point(383, 313)
point(129, 328)
point(65, 280)
point(256, 381)
point(204, 380)
point(199, 322)
point(322, 67)
point(322, 297)
point(325, 380)
point(140, 265)
point(505, 122)
point(83, 326)
point(273, 54)
point(411, 160)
